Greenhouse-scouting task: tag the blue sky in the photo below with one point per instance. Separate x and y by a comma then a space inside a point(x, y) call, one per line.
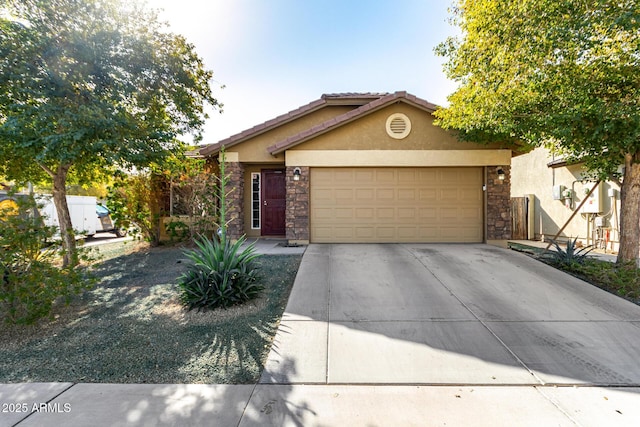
point(273, 56)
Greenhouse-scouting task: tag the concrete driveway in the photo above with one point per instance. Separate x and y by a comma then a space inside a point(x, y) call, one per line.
point(406, 335)
point(473, 316)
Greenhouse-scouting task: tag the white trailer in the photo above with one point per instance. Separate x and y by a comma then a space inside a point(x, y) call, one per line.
point(82, 210)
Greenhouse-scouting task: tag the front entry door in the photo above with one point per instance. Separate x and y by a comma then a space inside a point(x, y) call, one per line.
point(274, 197)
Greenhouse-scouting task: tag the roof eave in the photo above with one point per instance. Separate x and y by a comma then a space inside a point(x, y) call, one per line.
point(351, 99)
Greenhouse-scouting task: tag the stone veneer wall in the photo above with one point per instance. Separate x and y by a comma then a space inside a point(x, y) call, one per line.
point(235, 200)
point(498, 204)
point(297, 208)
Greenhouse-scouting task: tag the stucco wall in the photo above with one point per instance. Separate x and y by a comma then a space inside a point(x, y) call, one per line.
point(255, 149)
point(531, 175)
point(369, 133)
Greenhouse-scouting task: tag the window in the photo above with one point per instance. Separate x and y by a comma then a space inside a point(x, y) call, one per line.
point(255, 200)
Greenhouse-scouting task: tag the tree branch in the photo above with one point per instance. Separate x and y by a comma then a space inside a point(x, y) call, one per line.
point(615, 180)
point(46, 169)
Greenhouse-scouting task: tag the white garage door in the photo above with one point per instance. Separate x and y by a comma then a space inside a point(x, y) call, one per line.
point(360, 205)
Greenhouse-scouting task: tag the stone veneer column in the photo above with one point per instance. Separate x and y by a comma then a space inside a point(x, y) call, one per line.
point(297, 209)
point(498, 204)
point(235, 200)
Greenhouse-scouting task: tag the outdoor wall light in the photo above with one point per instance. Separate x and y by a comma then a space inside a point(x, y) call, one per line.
point(501, 174)
point(296, 174)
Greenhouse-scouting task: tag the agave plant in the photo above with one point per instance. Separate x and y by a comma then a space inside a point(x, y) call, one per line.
point(571, 254)
point(220, 274)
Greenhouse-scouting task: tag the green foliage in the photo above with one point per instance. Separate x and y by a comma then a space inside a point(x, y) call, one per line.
point(543, 71)
point(135, 205)
point(31, 279)
point(139, 202)
point(177, 230)
point(193, 187)
point(571, 253)
point(559, 74)
point(221, 275)
point(622, 279)
point(87, 86)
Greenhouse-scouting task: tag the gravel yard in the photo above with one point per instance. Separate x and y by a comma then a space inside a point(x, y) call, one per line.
point(131, 328)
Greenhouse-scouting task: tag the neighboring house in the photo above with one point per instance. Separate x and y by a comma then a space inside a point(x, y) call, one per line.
point(364, 168)
point(556, 190)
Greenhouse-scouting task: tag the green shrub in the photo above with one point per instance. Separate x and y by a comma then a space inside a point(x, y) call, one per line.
point(135, 205)
point(220, 274)
point(31, 278)
point(571, 254)
point(622, 279)
point(177, 230)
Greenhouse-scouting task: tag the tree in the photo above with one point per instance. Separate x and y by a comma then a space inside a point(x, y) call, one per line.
point(560, 74)
point(86, 85)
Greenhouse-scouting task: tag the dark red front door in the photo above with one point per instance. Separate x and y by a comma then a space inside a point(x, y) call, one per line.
point(274, 197)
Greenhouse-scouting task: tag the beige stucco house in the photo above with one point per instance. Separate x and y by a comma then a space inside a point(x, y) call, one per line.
point(364, 168)
point(555, 190)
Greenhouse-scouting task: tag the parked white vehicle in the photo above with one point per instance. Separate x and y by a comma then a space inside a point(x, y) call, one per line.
point(105, 222)
point(82, 210)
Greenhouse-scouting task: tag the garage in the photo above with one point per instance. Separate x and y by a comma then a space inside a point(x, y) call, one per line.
point(385, 204)
point(366, 168)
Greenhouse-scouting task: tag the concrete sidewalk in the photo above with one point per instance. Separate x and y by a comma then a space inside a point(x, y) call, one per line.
point(378, 335)
point(97, 405)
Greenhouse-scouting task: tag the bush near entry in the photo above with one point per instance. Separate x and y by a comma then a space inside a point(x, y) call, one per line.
point(31, 278)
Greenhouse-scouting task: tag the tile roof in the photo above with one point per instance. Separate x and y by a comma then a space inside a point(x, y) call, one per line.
point(357, 95)
point(377, 104)
point(326, 99)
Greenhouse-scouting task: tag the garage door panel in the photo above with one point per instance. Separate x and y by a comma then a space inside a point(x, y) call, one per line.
point(385, 176)
point(428, 233)
point(364, 175)
point(343, 213)
point(365, 194)
point(343, 175)
point(407, 176)
point(406, 194)
point(343, 194)
point(407, 213)
point(448, 214)
point(323, 214)
point(385, 213)
point(427, 175)
point(364, 214)
point(322, 195)
point(323, 233)
point(385, 194)
point(396, 205)
point(427, 214)
point(470, 194)
point(366, 233)
point(405, 233)
point(428, 194)
point(449, 195)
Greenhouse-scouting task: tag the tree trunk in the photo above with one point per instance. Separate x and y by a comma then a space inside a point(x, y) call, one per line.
point(630, 211)
point(67, 234)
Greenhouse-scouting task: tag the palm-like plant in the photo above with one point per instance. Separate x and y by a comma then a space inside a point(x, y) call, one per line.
point(220, 274)
point(571, 254)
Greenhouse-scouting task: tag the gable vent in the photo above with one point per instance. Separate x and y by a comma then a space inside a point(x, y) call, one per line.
point(398, 126)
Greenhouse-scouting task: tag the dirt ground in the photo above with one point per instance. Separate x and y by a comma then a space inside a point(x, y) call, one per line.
point(132, 328)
